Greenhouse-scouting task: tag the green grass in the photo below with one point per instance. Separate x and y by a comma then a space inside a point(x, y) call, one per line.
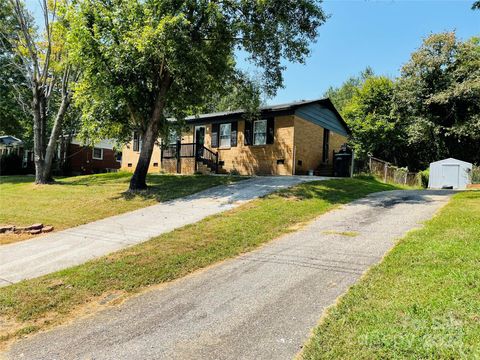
point(36, 303)
point(79, 200)
point(421, 302)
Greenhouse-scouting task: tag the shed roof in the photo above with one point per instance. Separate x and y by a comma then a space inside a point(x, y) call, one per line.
point(451, 160)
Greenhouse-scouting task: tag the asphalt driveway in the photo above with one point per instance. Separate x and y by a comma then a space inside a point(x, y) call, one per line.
point(261, 305)
point(63, 249)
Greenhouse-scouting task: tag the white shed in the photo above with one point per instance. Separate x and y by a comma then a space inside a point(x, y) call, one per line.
point(449, 173)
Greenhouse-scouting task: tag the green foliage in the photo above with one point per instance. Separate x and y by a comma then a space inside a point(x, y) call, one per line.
point(438, 96)
point(424, 177)
point(134, 53)
point(13, 119)
point(342, 95)
point(432, 111)
point(376, 128)
point(476, 174)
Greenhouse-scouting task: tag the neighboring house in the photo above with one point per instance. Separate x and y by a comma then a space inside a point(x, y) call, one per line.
point(287, 139)
point(78, 158)
point(10, 145)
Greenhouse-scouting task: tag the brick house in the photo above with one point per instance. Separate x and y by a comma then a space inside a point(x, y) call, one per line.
point(287, 139)
point(78, 158)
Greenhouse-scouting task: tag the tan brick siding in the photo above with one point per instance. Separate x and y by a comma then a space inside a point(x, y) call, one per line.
point(131, 157)
point(336, 141)
point(260, 160)
point(309, 145)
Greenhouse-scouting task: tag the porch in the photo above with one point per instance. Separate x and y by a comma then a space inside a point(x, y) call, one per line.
point(189, 158)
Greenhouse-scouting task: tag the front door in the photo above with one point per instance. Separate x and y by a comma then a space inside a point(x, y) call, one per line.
point(199, 139)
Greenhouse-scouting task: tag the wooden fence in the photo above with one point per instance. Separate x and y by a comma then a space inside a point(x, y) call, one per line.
point(393, 174)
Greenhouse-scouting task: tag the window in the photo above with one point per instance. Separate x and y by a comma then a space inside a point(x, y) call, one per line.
point(260, 132)
point(97, 154)
point(136, 141)
point(225, 135)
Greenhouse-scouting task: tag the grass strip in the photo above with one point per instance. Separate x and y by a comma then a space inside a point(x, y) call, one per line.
point(421, 302)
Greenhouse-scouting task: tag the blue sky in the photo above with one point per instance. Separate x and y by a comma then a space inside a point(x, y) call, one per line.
point(380, 34)
point(359, 33)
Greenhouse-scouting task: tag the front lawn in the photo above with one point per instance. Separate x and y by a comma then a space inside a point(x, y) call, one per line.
point(37, 303)
point(79, 200)
point(421, 302)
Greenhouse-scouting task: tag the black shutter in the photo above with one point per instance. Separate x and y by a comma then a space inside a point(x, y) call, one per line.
point(270, 130)
point(136, 141)
point(233, 134)
point(215, 135)
point(248, 132)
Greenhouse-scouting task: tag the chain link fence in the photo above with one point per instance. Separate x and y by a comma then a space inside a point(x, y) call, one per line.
point(393, 174)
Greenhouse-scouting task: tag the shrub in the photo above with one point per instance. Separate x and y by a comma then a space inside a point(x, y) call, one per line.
point(424, 176)
point(10, 164)
point(476, 174)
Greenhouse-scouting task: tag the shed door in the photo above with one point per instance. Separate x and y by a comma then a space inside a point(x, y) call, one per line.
point(450, 175)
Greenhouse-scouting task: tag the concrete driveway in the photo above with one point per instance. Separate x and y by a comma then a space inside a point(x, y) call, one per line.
point(261, 305)
point(63, 249)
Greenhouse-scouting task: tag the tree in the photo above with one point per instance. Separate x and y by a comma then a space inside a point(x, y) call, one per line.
point(438, 96)
point(43, 62)
point(145, 61)
point(342, 95)
point(13, 119)
point(376, 129)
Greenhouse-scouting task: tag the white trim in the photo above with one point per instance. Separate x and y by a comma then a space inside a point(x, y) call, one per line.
point(93, 153)
point(225, 146)
point(266, 131)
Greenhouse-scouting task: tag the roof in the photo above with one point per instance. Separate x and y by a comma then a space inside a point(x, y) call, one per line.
point(9, 140)
point(279, 109)
point(451, 161)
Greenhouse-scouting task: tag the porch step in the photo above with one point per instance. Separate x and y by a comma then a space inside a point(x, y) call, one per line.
point(324, 170)
point(204, 169)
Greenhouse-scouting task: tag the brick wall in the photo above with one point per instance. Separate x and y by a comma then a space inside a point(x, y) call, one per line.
point(130, 158)
point(80, 160)
point(309, 145)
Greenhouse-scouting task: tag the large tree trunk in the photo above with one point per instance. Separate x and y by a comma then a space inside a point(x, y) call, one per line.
point(38, 135)
point(150, 135)
point(52, 142)
point(139, 178)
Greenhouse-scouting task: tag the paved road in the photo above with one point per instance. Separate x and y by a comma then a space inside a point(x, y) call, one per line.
point(261, 305)
point(59, 250)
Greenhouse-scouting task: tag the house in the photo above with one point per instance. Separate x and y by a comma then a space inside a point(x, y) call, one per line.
point(296, 138)
point(10, 145)
point(78, 159)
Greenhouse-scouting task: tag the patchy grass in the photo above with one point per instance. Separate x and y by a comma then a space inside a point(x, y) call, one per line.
point(50, 299)
point(421, 302)
point(342, 233)
point(79, 200)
